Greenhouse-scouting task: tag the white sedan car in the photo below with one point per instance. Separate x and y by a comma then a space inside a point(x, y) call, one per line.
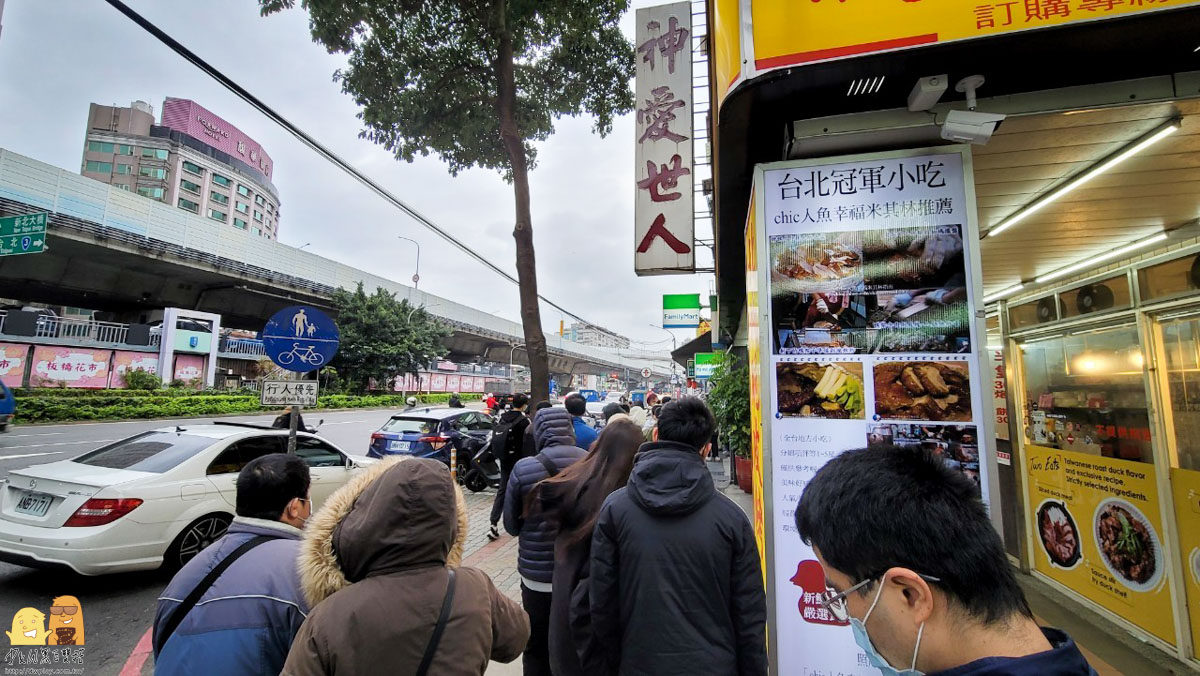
point(156, 498)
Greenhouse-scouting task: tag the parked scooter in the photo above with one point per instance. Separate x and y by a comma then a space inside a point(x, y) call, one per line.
point(480, 468)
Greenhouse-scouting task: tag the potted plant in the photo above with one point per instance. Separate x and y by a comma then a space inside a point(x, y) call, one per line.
point(729, 399)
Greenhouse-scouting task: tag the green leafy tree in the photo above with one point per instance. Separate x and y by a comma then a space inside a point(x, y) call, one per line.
point(729, 400)
point(476, 83)
point(382, 337)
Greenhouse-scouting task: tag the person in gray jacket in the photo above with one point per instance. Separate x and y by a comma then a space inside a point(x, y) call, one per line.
point(554, 437)
point(246, 620)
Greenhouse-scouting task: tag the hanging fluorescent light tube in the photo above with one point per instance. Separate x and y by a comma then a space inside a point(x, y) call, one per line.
point(1105, 165)
point(1004, 292)
point(1089, 262)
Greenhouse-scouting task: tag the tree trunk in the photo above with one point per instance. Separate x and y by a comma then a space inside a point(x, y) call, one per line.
point(514, 145)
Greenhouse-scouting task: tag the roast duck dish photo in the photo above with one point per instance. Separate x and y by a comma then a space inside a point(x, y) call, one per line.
point(923, 391)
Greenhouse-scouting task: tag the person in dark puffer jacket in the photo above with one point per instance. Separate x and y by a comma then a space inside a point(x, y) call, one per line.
point(554, 436)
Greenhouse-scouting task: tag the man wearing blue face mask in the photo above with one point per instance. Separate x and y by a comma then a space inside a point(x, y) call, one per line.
point(917, 568)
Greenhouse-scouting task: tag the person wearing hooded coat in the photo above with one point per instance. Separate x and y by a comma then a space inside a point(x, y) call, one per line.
point(554, 433)
point(375, 567)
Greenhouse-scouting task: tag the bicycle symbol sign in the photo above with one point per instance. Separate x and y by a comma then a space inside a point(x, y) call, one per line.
point(300, 338)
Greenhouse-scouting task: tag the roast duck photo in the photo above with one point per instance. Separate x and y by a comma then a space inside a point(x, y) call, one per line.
point(923, 391)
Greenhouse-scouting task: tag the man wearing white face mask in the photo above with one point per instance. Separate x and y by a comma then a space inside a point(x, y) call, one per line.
point(236, 607)
point(914, 563)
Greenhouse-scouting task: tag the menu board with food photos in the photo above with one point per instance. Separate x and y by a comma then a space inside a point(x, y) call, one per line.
point(870, 337)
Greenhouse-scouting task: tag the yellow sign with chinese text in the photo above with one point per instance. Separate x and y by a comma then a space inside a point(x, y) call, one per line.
point(1097, 529)
point(756, 393)
point(1185, 485)
point(790, 33)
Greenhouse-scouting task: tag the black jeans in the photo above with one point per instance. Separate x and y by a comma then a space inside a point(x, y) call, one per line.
point(498, 503)
point(536, 659)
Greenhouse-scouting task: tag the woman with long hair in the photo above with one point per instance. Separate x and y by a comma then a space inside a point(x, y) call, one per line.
point(572, 499)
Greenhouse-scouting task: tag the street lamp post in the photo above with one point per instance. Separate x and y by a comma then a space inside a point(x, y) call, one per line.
point(674, 346)
point(416, 278)
point(511, 371)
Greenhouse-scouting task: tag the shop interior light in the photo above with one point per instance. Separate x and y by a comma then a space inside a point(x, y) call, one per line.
point(1003, 293)
point(1093, 260)
point(1104, 166)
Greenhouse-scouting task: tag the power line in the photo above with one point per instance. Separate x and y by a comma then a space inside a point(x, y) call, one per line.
point(315, 145)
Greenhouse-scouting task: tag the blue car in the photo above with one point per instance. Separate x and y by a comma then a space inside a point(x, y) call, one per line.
point(8, 406)
point(431, 433)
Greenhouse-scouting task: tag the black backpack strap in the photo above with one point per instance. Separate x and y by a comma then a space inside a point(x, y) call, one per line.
point(443, 618)
point(184, 608)
point(551, 470)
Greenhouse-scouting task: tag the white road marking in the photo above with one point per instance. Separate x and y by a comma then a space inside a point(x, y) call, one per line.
point(60, 443)
point(343, 422)
point(29, 455)
point(39, 434)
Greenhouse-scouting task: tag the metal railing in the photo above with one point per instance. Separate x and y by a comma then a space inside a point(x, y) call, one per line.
point(50, 326)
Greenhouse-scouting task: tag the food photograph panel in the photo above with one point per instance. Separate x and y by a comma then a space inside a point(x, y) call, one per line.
point(937, 391)
point(957, 445)
point(817, 262)
point(913, 258)
point(1059, 534)
point(820, 389)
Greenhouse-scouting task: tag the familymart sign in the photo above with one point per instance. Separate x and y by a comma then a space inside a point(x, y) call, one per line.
point(681, 311)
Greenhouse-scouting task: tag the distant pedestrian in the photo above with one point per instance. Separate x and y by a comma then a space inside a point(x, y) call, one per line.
point(283, 421)
point(610, 410)
point(555, 436)
point(410, 403)
point(455, 401)
point(676, 586)
point(914, 564)
point(381, 566)
point(245, 618)
point(651, 422)
point(530, 447)
point(508, 444)
point(571, 500)
point(491, 403)
point(576, 405)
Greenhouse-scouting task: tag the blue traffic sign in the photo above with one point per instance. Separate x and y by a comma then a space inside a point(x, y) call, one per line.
point(300, 338)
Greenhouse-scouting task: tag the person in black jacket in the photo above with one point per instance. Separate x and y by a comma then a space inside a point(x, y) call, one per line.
point(676, 585)
point(572, 501)
point(555, 437)
point(508, 444)
point(530, 447)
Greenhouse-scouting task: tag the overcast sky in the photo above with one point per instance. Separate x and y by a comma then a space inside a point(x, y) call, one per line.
point(57, 56)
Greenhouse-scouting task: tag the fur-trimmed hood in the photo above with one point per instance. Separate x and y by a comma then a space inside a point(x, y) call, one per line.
point(398, 514)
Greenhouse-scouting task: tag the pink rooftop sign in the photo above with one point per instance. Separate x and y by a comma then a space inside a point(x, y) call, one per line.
point(196, 121)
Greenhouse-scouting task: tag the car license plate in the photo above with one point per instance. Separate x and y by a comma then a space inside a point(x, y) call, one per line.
point(398, 445)
point(34, 504)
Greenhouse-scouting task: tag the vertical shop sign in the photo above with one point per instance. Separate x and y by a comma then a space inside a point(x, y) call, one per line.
point(869, 338)
point(1000, 404)
point(664, 228)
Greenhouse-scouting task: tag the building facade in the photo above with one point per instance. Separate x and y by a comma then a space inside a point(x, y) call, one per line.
point(191, 159)
point(587, 334)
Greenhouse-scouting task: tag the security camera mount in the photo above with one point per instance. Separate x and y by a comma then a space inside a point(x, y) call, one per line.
point(967, 86)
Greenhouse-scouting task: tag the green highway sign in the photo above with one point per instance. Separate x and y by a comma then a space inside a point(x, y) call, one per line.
point(23, 234)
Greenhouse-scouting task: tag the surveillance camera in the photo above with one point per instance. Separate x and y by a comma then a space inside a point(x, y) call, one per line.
point(926, 93)
point(965, 126)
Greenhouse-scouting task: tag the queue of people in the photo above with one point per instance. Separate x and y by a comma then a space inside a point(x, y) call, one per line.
point(631, 563)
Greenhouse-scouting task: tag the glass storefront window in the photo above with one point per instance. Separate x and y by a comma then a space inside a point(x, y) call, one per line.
point(1085, 393)
point(1172, 278)
point(1106, 294)
point(1032, 313)
point(1181, 348)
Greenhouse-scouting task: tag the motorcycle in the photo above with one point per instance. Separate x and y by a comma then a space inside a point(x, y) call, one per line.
point(481, 468)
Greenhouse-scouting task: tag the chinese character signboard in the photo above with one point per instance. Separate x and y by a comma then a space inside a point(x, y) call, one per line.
point(865, 289)
point(23, 234)
point(69, 367)
point(664, 231)
point(124, 362)
point(12, 363)
point(289, 393)
point(788, 33)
